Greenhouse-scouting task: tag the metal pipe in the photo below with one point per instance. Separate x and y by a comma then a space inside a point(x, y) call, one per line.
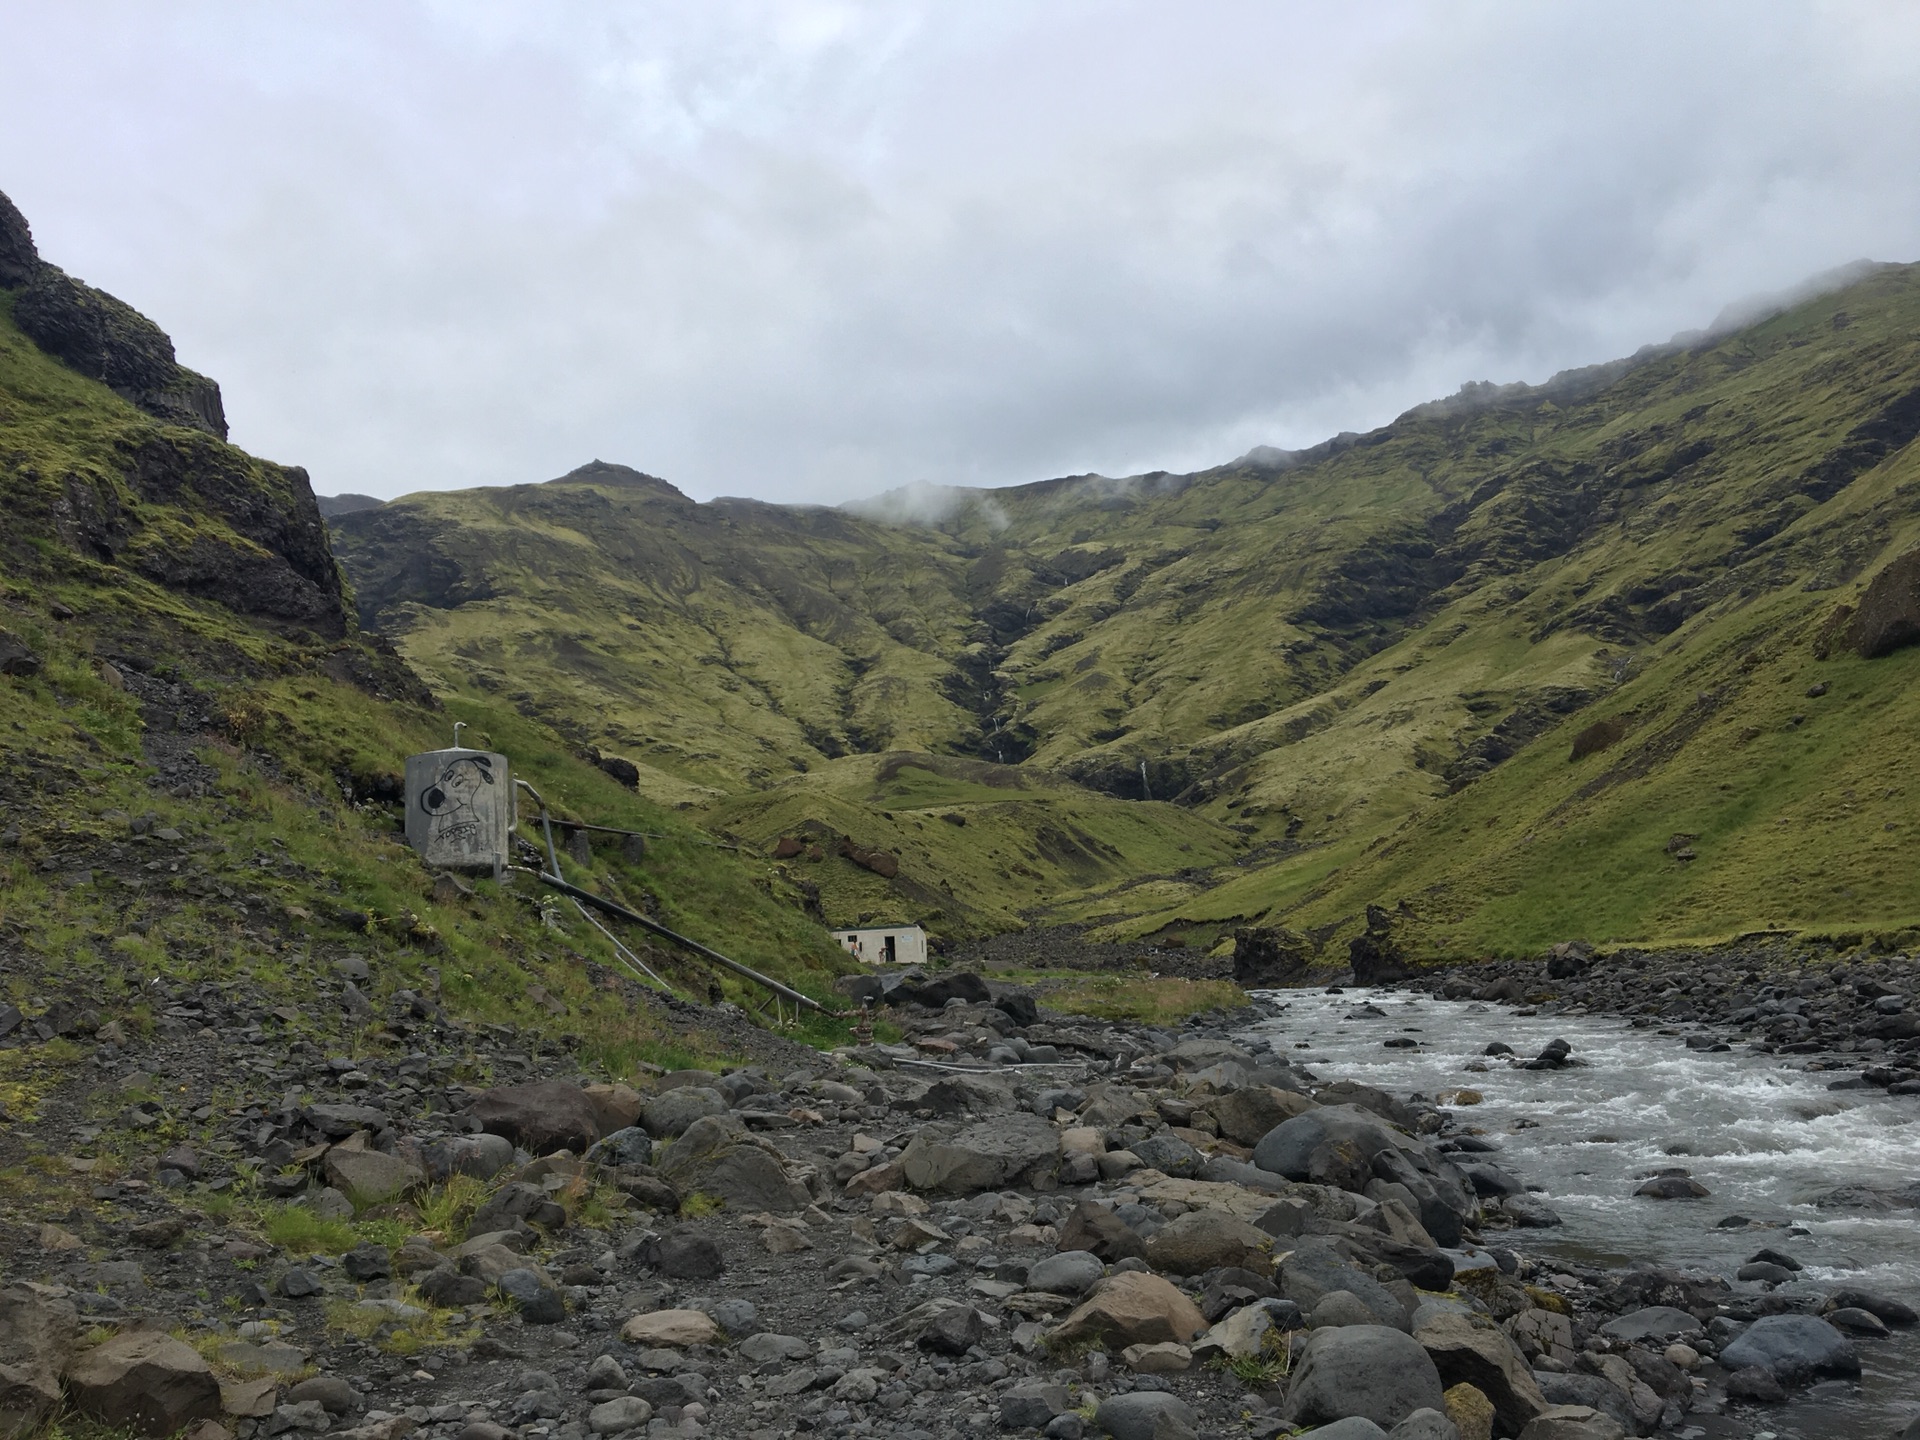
point(635, 917)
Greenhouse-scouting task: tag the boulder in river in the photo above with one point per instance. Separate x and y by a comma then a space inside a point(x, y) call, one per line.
point(1672, 1185)
point(1792, 1348)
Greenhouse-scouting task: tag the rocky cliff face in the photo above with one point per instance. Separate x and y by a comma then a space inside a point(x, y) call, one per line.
point(154, 492)
point(102, 337)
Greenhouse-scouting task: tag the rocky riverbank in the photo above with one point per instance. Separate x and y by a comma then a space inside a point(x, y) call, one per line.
point(1859, 1014)
point(1012, 1220)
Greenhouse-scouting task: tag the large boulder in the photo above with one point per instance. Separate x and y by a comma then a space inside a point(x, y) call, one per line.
point(545, 1116)
point(1573, 1422)
point(675, 1329)
point(1203, 1240)
point(1470, 1350)
point(615, 1107)
point(1133, 1308)
point(36, 1336)
point(144, 1380)
point(1889, 613)
point(1652, 1322)
point(1100, 1232)
point(1328, 1145)
point(1245, 1116)
point(1315, 1270)
point(1596, 1392)
point(1372, 1371)
point(669, 1114)
point(368, 1177)
point(716, 1156)
point(1146, 1415)
point(1071, 1273)
point(1252, 1330)
point(1269, 955)
point(1791, 1348)
point(934, 994)
point(1009, 1151)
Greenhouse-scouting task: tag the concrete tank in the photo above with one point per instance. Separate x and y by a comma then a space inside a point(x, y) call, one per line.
point(460, 809)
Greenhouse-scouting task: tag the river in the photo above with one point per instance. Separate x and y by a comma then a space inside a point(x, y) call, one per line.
point(1763, 1136)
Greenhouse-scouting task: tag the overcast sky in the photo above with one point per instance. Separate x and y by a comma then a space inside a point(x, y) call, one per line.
point(813, 250)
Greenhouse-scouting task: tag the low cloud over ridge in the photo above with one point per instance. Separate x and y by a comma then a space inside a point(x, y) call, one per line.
point(818, 251)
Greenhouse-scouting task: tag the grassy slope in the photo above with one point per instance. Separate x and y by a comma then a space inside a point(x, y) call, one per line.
point(277, 864)
point(1304, 655)
point(1027, 837)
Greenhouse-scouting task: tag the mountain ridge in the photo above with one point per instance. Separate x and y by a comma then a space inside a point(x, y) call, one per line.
point(1306, 657)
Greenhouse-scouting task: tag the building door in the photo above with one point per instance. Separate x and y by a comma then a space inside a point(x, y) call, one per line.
point(886, 950)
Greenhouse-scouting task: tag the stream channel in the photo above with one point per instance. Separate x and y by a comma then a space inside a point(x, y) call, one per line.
point(1764, 1137)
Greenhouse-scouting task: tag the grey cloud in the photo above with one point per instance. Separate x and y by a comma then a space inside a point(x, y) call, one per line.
point(819, 251)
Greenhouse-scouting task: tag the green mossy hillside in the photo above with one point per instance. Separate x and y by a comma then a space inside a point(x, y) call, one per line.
point(1368, 661)
point(980, 846)
point(200, 773)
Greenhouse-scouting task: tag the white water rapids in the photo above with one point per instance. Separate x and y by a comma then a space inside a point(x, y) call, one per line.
point(1764, 1137)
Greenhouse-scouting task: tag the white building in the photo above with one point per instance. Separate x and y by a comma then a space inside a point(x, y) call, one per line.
point(885, 944)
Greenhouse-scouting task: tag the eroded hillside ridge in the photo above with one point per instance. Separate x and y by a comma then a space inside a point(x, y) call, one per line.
point(102, 337)
point(148, 487)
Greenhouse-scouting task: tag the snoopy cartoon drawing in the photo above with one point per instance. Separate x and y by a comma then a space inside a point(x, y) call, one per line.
point(455, 821)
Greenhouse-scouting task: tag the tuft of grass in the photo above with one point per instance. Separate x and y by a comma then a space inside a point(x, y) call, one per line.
point(298, 1231)
point(448, 1208)
point(431, 1328)
point(699, 1205)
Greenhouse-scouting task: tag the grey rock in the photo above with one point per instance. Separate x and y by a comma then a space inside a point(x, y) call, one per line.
point(668, 1115)
point(1330, 1145)
point(613, 1417)
point(333, 1394)
point(1425, 1425)
point(767, 1346)
point(1147, 1415)
point(1354, 1427)
point(631, 1146)
point(542, 1117)
point(1033, 1405)
point(1655, 1322)
point(1071, 1272)
point(717, 1157)
point(1792, 1347)
point(1372, 1371)
point(1315, 1270)
point(1010, 1150)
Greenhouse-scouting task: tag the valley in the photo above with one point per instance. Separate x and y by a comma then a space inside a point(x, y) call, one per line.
point(1486, 665)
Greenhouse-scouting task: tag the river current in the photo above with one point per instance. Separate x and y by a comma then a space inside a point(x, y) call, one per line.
point(1766, 1138)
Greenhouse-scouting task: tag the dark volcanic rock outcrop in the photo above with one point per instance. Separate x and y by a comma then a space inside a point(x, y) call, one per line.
point(102, 337)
